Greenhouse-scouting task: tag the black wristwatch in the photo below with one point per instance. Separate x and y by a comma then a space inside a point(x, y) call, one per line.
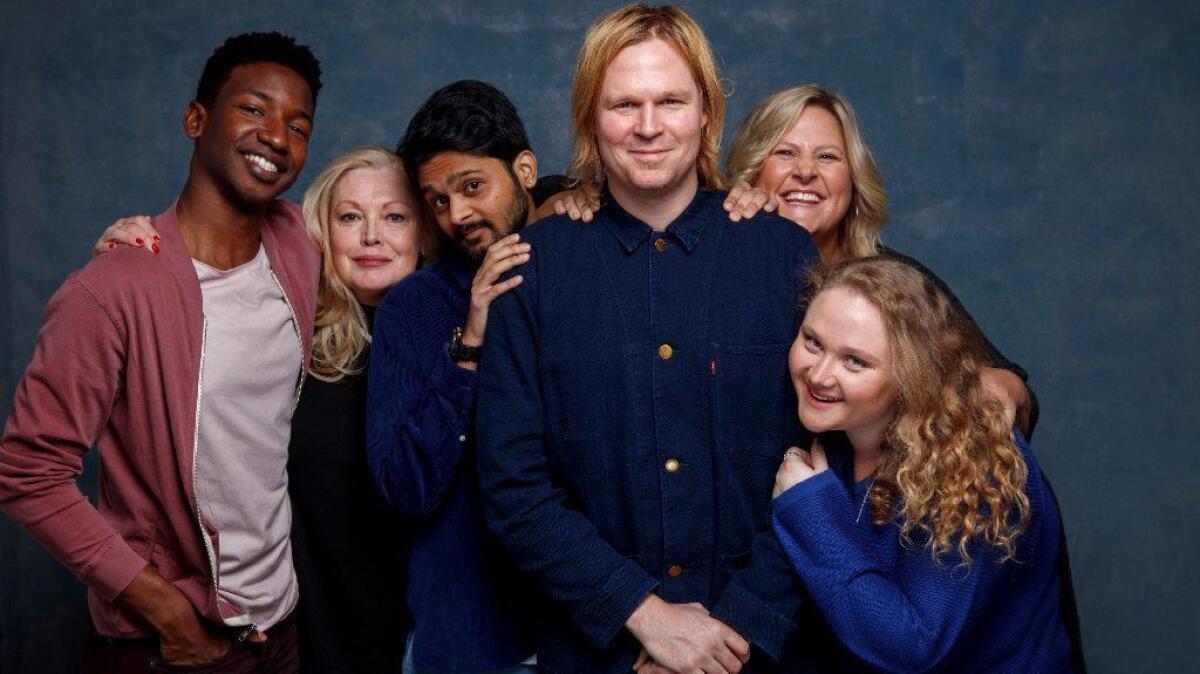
point(460, 352)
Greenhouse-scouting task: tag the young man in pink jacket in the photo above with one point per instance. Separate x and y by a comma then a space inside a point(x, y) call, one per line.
point(183, 369)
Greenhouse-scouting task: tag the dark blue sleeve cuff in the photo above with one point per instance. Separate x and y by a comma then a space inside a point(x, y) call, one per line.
point(604, 617)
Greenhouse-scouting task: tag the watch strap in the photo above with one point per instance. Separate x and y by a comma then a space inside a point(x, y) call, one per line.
point(460, 352)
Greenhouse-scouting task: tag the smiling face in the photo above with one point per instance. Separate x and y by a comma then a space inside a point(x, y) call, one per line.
point(810, 173)
point(253, 141)
point(649, 122)
point(477, 200)
point(841, 366)
point(374, 231)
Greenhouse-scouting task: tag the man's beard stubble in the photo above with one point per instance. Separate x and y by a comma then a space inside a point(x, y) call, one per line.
point(514, 220)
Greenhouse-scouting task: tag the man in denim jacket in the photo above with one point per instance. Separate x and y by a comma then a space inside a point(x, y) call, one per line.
point(634, 398)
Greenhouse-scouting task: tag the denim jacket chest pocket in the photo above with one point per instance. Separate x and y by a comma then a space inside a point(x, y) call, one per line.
point(753, 411)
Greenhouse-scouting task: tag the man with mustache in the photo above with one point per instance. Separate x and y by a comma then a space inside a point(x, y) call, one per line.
point(183, 369)
point(468, 155)
point(635, 396)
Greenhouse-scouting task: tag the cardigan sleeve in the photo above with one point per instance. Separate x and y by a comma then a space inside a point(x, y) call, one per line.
point(61, 406)
point(418, 415)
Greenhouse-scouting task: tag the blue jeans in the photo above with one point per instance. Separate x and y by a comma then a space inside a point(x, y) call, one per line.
point(411, 667)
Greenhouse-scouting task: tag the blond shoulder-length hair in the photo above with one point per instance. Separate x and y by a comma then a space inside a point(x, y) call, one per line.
point(605, 38)
point(950, 468)
point(342, 333)
point(769, 122)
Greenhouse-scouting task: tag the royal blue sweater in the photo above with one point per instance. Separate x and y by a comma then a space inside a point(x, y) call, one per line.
point(894, 609)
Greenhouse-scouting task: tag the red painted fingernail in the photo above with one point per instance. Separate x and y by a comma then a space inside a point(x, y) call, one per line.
point(154, 248)
point(111, 246)
point(156, 237)
point(138, 241)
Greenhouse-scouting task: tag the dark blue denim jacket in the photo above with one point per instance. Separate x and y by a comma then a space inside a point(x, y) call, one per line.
point(634, 404)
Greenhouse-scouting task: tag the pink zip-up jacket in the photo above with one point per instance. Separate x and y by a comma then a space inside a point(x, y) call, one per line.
point(117, 365)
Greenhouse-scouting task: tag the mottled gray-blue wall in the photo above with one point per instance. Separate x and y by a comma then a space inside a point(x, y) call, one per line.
point(1043, 161)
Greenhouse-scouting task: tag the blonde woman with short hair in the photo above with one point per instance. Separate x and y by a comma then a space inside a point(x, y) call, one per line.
point(813, 130)
point(801, 151)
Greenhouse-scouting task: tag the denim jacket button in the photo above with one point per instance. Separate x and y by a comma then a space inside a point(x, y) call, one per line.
point(665, 352)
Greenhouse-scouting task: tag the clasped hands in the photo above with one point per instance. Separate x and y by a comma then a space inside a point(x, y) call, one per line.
point(684, 639)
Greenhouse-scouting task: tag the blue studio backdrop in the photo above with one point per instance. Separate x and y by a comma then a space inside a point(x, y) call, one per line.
point(1041, 158)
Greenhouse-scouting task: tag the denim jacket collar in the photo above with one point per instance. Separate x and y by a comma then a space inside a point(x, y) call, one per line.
point(631, 232)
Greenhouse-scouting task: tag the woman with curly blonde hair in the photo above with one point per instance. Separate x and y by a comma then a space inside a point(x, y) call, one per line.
point(932, 544)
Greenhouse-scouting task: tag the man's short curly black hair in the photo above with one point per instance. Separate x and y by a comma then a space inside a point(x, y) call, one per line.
point(467, 116)
point(273, 47)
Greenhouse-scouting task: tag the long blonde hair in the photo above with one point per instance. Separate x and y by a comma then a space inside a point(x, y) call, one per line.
point(606, 38)
point(342, 332)
point(950, 469)
point(769, 122)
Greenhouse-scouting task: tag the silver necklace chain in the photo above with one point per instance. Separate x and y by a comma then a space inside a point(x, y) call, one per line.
point(864, 501)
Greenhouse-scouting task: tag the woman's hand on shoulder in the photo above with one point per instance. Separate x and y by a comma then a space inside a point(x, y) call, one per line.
point(572, 203)
point(1008, 390)
point(799, 465)
point(745, 201)
point(135, 230)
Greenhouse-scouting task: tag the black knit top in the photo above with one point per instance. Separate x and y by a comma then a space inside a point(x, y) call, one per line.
point(347, 545)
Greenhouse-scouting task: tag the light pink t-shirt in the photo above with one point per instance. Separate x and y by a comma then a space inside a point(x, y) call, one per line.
point(249, 378)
